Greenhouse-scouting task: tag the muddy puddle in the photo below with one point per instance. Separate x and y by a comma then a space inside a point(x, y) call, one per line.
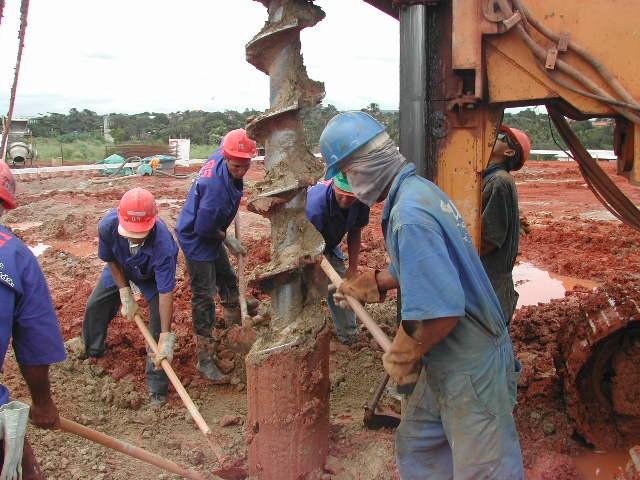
point(600, 465)
point(535, 285)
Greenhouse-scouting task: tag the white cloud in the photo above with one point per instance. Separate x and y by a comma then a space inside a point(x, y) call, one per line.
point(161, 55)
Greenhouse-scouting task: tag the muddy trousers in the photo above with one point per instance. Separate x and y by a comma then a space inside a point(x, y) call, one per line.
point(209, 278)
point(458, 422)
point(102, 307)
point(344, 319)
point(30, 468)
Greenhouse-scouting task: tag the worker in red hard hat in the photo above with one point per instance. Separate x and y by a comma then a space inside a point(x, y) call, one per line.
point(211, 206)
point(501, 215)
point(27, 319)
point(139, 250)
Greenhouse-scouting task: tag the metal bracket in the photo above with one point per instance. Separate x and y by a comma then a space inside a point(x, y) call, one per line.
point(512, 21)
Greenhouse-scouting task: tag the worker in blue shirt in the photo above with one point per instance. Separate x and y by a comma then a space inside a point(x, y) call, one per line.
point(27, 319)
point(211, 206)
point(335, 211)
point(453, 340)
point(139, 250)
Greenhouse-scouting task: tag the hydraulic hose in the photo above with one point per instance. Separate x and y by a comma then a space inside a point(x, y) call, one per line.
point(561, 65)
point(611, 80)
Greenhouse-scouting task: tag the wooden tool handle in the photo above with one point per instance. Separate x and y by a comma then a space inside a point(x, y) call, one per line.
point(355, 305)
point(184, 396)
point(242, 284)
point(127, 449)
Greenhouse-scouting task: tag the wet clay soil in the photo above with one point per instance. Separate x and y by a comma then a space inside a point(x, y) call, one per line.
point(110, 394)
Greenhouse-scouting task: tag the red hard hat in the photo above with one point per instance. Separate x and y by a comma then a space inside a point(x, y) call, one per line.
point(522, 139)
point(7, 187)
point(238, 146)
point(137, 213)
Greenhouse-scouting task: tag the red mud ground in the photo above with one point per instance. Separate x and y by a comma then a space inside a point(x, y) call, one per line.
point(571, 234)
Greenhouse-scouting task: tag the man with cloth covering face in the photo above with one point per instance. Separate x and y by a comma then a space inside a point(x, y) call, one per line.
point(453, 340)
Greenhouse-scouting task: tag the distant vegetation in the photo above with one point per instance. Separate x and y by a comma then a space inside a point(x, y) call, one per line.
point(79, 132)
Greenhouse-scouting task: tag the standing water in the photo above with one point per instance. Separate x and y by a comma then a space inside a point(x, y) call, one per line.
point(535, 285)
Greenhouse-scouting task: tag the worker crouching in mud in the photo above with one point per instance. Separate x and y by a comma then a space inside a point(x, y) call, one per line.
point(501, 215)
point(453, 341)
point(210, 208)
point(139, 249)
point(28, 318)
point(335, 211)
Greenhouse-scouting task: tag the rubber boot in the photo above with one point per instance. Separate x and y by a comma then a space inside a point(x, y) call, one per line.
point(206, 364)
point(252, 306)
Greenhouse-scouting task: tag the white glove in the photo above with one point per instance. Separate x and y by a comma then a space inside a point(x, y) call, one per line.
point(129, 305)
point(14, 417)
point(166, 344)
point(234, 245)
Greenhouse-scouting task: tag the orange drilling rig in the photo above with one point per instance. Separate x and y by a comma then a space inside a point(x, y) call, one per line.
point(462, 62)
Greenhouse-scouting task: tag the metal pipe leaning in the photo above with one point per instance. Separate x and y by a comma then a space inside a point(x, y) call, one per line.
point(357, 307)
point(242, 284)
point(184, 396)
point(128, 449)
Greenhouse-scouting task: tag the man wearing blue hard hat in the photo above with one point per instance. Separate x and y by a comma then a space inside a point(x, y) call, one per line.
point(453, 340)
point(335, 212)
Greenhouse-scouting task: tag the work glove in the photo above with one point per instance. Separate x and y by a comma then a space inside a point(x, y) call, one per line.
point(234, 245)
point(14, 417)
point(363, 288)
point(403, 359)
point(166, 344)
point(129, 305)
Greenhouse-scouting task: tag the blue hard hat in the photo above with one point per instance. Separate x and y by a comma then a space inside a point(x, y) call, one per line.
point(344, 134)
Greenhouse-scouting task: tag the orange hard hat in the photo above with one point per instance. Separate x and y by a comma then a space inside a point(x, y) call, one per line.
point(238, 146)
point(7, 187)
point(137, 213)
point(521, 139)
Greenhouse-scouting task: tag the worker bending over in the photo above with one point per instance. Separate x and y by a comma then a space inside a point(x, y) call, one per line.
point(28, 318)
point(335, 211)
point(210, 208)
point(453, 339)
point(501, 216)
point(139, 249)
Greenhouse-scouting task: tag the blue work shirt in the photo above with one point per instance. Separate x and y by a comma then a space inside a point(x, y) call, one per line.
point(152, 268)
point(210, 207)
point(217, 154)
point(439, 271)
point(27, 314)
point(332, 221)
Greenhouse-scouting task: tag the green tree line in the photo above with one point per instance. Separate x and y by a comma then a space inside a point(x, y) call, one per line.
point(207, 128)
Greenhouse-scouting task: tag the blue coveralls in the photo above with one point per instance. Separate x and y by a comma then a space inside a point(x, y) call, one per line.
point(333, 223)
point(27, 314)
point(152, 269)
point(458, 421)
point(211, 206)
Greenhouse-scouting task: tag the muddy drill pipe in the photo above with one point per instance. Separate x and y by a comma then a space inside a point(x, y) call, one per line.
point(287, 369)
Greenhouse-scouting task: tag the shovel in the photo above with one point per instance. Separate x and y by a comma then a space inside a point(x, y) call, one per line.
point(373, 420)
point(246, 334)
point(128, 449)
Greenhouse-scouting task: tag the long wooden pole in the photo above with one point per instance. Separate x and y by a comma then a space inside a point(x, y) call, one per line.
point(184, 396)
point(359, 310)
point(128, 449)
point(242, 284)
point(24, 10)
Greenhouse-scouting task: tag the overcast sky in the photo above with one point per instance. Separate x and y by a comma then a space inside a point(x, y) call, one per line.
point(161, 55)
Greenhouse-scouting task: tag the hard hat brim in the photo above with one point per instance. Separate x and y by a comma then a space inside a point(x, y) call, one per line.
point(123, 231)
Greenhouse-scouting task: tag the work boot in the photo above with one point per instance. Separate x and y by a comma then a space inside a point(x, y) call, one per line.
point(157, 399)
point(206, 364)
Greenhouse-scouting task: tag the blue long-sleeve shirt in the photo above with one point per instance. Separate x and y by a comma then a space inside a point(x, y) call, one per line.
point(329, 219)
point(152, 268)
point(27, 314)
point(212, 204)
